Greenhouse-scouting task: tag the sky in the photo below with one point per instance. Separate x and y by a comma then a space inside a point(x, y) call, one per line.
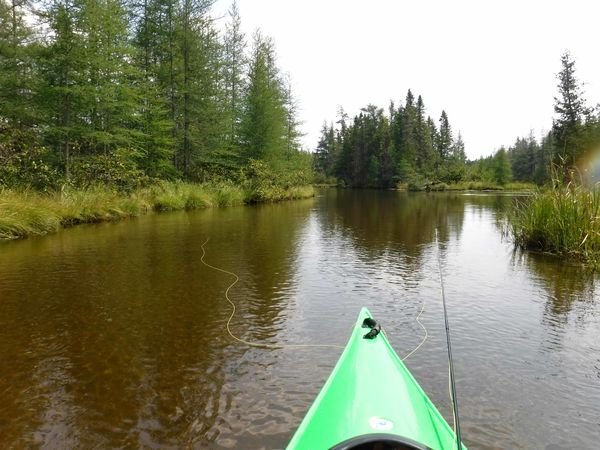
point(490, 65)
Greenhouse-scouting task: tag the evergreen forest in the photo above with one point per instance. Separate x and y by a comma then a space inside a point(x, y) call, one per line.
point(124, 92)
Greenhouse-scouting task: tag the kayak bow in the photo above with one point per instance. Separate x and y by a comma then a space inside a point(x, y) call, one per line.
point(371, 400)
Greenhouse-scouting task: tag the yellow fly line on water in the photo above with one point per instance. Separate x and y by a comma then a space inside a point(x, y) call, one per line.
point(279, 346)
point(233, 310)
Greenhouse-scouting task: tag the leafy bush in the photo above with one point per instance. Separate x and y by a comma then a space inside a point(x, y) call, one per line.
point(30, 168)
point(435, 187)
point(260, 182)
point(113, 169)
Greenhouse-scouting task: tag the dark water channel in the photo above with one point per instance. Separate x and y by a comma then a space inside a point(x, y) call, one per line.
point(113, 335)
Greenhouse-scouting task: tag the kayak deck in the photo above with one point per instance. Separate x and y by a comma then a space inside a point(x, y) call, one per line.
point(371, 392)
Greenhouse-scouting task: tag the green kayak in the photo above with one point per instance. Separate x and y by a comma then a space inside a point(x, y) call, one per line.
point(371, 401)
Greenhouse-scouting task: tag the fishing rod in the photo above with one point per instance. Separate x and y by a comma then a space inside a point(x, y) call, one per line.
point(449, 345)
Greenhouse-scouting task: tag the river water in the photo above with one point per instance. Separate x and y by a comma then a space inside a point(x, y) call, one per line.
point(113, 335)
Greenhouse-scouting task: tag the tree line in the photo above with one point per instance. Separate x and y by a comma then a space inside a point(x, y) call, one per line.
point(122, 91)
point(405, 146)
point(379, 149)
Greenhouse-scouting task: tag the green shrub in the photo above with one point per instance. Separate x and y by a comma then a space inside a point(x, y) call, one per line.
point(113, 169)
point(31, 168)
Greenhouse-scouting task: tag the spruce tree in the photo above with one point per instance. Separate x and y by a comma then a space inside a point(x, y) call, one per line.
point(292, 124)
point(408, 141)
point(444, 141)
point(543, 159)
point(264, 121)
point(63, 73)
point(522, 158)
point(433, 138)
point(17, 74)
point(203, 120)
point(455, 165)
point(501, 167)
point(109, 91)
point(156, 152)
point(571, 109)
point(234, 69)
point(324, 151)
point(425, 155)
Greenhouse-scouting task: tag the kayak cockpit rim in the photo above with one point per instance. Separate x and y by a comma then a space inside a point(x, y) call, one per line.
point(369, 441)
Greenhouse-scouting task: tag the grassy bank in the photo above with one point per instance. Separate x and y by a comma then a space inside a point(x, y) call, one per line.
point(469, 186)
point(563, 220)
point(489, 186)
point(29, 213)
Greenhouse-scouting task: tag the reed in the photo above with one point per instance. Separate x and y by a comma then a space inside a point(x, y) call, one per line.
point(562, 220)
point(298, 192)
point(470, 186)
point(26, 213)
point(479, 186)
point(226, 194)
point(519, 186)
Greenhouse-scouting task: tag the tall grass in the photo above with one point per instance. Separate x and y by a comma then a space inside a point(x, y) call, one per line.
point(30, 213)
point(469, 186)
point(26, 213)
point(562, 220)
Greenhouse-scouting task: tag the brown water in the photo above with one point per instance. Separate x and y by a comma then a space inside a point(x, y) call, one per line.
point(113, 335)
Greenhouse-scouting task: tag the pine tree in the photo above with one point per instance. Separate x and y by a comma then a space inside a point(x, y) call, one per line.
point(571, 109)
point(444, 141)
point(501, 167)
point(435, 161)
point(90, 90)
point(343, 146)
point(292, 124)
point(203, 119)
point(62, 72)
point(156, 151)
point(113, 91)
point(264, 121)
point(324, 153)
point(425, 155)
point(407, 140)
point(234, 68)
point(455, 165)
point(162, 56)
point(388, 157)
point(17, 74)
point(522, 158)
point(543, 159)
point(458, 150)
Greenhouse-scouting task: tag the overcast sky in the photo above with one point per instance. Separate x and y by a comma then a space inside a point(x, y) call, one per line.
point(491, 65)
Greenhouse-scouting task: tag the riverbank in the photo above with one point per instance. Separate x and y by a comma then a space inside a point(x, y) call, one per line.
point(442, 187)
point(563, 221)
point(469, 186)
point(30, 213)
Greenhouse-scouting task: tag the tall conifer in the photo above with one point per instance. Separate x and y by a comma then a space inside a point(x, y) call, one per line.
point(571, 109)
point(264, 121)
